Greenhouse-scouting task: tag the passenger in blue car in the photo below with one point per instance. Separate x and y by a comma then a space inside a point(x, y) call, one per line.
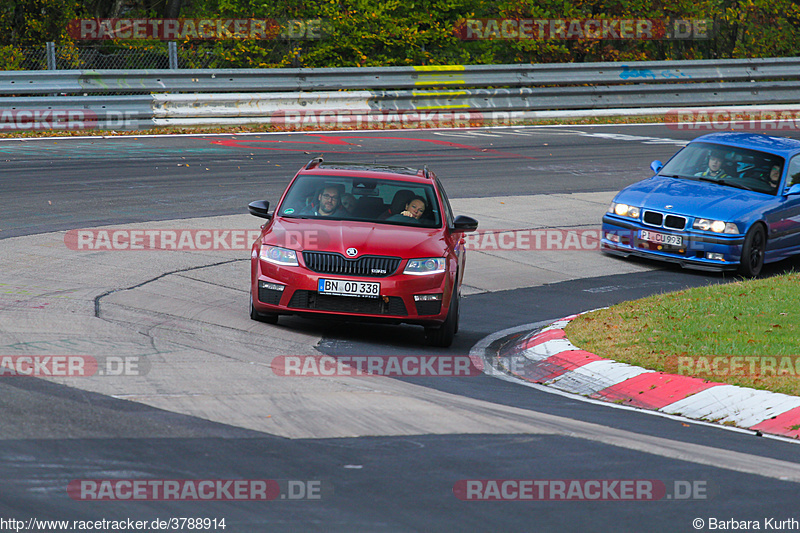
point(714, 169)
point(775, 176)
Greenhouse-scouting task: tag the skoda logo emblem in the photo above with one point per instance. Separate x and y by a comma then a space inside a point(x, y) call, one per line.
point(351, 252)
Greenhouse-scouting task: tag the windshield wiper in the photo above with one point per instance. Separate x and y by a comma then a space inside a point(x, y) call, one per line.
point(737, 185)
point(724, 182)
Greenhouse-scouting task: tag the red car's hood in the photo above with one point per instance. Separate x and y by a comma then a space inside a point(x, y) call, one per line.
point(368, 238)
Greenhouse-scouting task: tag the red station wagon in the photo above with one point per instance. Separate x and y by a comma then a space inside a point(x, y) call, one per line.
point(360, 241)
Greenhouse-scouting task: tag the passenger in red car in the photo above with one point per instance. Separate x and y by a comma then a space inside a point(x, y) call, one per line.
point(349, 202)
point(414, 208)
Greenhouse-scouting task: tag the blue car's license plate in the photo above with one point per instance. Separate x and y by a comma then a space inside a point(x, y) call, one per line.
point(661, 238)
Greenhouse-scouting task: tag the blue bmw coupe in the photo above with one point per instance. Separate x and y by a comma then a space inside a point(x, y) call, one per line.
point(727, 201)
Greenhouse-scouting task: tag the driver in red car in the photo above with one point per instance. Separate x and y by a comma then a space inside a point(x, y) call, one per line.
point(329, 202)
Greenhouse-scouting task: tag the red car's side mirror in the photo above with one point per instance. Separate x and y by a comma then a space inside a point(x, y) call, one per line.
point(260, 208)
point(465, 223)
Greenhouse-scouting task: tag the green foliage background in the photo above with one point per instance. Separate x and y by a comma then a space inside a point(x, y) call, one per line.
point(420, 32)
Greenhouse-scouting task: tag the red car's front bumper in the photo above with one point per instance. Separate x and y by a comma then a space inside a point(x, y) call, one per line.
point(293, 290)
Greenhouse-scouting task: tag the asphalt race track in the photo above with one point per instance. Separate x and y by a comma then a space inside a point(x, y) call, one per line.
point(357, 453)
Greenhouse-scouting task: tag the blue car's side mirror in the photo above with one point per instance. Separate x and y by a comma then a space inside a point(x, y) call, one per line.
point(794, 189)
point(656, 166)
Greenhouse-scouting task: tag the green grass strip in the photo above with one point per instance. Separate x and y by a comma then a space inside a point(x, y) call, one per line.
point(744, 333)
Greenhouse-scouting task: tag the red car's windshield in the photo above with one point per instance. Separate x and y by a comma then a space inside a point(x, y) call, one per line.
point(365, 199)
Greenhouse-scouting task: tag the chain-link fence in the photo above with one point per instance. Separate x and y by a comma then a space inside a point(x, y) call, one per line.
point(160, 55)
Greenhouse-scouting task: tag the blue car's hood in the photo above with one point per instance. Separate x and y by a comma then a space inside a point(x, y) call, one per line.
point(692, 198)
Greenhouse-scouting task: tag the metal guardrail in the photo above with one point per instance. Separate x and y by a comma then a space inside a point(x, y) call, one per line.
point(596, 97)
point(387, 78)
point(257, 95)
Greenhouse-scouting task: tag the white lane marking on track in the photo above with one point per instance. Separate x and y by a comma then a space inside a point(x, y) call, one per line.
point(500, 132)
point(611, 136)
point(636, 138)
point(485, 134)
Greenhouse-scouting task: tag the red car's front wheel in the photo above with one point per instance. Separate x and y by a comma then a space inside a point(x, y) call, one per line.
point(443, 335)
point(269, 318)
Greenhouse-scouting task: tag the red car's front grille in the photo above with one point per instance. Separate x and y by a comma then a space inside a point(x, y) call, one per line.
point(391, 306)
point(369, 265)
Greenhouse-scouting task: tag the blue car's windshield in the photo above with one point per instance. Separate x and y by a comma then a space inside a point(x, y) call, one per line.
point(727, 166)
point(352, 198)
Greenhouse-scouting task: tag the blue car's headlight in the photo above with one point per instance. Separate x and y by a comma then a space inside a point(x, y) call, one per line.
point(624, 210)
point(717, 226)
point(278, 256)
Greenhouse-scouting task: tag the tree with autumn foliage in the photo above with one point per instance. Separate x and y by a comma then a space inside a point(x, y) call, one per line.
point(422, 32)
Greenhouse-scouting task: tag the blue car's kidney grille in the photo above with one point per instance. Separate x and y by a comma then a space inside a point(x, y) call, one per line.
point(654, 218)
point(674, 222)
point(368, 265)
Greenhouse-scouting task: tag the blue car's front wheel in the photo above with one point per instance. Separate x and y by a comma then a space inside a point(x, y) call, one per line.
point(755, 242)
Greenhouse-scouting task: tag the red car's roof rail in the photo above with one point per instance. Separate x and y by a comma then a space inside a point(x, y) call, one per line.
point(317, 161)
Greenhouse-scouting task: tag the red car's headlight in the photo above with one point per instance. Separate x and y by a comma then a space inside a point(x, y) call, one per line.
point(429, 265)
point(278, 256)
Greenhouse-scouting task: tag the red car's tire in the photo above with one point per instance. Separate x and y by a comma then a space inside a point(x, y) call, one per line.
point(443, 335)
point(269, 318)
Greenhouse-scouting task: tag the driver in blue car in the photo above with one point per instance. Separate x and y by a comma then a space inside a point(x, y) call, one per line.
point(714, 169)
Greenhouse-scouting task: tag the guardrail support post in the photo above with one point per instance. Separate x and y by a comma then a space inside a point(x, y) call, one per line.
point(51, 56)
point(172, 50)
